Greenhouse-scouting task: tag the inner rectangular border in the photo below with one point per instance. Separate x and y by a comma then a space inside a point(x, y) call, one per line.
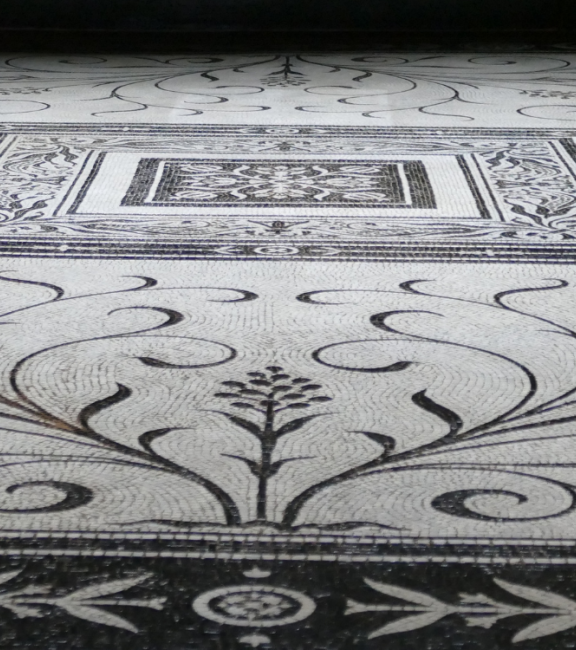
point(108, 177)
point(415, 184)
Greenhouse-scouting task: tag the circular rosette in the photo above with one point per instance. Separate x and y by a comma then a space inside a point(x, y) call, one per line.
point(254, 606)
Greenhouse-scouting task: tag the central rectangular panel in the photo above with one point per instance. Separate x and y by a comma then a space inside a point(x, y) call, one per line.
point(227, 183)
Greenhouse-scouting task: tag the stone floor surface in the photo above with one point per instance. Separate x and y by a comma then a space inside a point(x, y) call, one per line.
point(288, 351)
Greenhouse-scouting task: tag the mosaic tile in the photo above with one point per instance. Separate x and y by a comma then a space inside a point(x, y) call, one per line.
point(288, 352)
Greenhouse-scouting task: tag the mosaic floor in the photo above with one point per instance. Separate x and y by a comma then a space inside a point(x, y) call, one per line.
point(288, 351)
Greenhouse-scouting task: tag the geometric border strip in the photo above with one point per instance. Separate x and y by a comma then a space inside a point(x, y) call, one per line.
point(293, 548)
point(287, 130)
point(254, 250)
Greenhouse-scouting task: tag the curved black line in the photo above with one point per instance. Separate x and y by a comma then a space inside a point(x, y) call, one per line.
point(57, 290)
point(148, 282)
point(378, 320)
point(231, 511)
point(565, 486)
point(407, 286)
point(88, 412)
point(75, 497)
point(174, 317)
point(453, 420)
point(394, 367)
point(150, 285)
point(147, 438)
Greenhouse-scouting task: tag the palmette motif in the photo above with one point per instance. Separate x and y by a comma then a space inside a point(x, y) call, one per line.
point(477, 610)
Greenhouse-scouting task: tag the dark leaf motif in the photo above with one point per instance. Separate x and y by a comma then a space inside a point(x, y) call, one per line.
point(293, 396)
point(256, 374)
point(173, 317)
point(280, 377)
point(246, 296)
point(274, 368)
point(393, 367)
point(91, 410)
point(227, 395)
point(157, 363)
point(294, 425)
point(234, 384)
point(146, 439)
point(300, 380)
point(386, 442)
point(243, 405)
point(275, 467)
point(452, 419)
point(311, 387)
point(254, 429)
point(281, 388)
point(255, 467)
point(148, 282)
point(455, 503)
point(250, 391)
point(297, 406)
point(320, 398)
point(260, 382)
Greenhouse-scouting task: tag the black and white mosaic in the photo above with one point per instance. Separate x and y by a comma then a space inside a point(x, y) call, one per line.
point(288, 191)
point(288, 376)
point(526, 89)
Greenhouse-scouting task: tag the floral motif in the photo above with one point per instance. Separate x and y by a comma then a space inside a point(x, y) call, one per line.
point(254, 606)
point(246, 182)
point(477, 610)
point(85, 603)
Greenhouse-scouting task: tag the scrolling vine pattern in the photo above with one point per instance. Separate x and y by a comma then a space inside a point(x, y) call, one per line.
point(538, 86)
point(274, 478)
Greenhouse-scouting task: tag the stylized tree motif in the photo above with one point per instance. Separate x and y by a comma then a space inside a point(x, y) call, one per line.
point(268, 394)
point(265, 404)
point(286, 75)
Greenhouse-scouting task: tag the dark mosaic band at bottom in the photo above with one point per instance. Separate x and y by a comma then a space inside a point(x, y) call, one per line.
point(170, 603)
